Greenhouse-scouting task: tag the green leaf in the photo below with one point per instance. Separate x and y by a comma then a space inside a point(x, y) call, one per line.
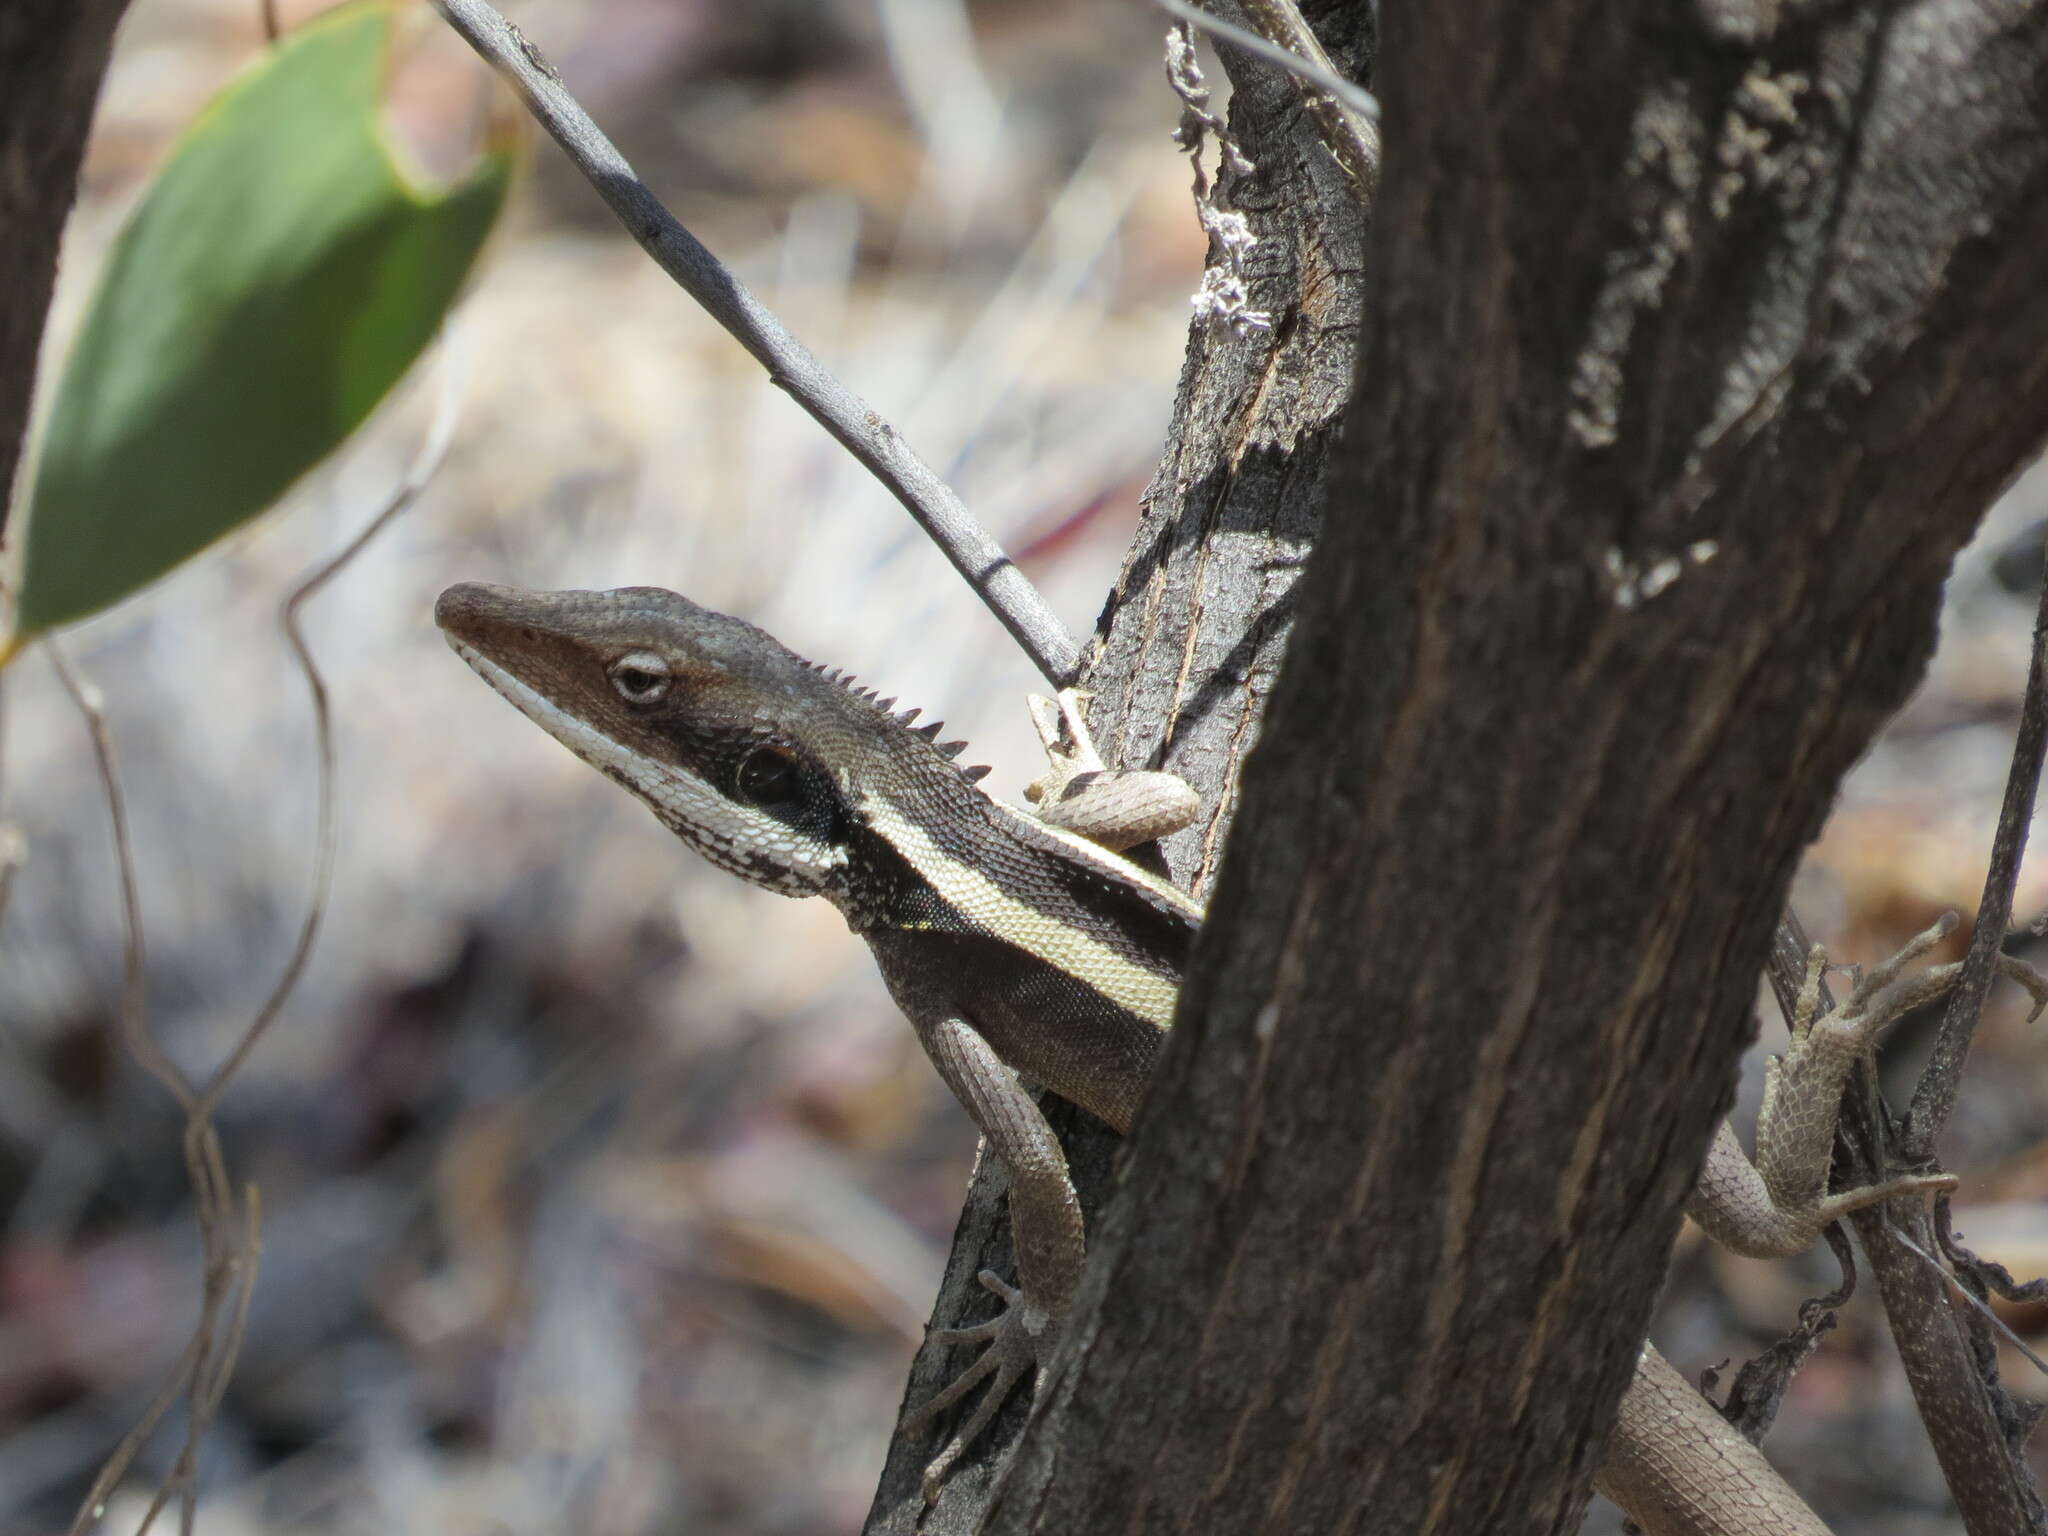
point(276, 281)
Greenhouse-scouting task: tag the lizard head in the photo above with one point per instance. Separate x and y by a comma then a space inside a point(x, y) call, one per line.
point(734, 741)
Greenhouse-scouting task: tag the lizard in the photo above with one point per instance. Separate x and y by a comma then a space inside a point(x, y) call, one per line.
point(1023, 948)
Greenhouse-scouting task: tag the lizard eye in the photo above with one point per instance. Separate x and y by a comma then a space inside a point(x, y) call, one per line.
point(640, 677)
point(767, 776)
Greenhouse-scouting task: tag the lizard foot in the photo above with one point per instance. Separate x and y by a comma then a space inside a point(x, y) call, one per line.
point(1117, 808)
point(1019, 1338)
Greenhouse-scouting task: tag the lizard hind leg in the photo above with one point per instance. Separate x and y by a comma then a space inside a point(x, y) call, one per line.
point(1777, 1205)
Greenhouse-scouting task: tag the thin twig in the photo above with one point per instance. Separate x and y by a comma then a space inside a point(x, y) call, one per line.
point(433, 451)
point(1962, 1293)
point(143, 1046)
point(234, 1269)
point(1345, 115)
point(230, 1229)
point(134, 1017)
point(791, 368)
point(223, 1263)
point(1315, 69)
point(115, 1467)
point(1934, 1097)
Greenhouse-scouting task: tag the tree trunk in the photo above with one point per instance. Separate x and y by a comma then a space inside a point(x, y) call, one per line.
point(1190, 643)
point(1696, 341)
point(52, 56)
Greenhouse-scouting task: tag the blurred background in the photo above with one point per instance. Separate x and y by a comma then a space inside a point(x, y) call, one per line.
point(602, 1192)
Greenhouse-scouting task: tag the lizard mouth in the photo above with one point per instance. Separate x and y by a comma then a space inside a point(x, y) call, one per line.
point(575, 734)
point(509, 688)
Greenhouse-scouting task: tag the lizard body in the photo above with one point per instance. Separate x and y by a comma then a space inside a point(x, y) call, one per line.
point(1020, 950)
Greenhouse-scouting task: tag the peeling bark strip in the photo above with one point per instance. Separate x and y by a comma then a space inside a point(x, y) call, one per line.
point(1644, 279)
point(52, 55)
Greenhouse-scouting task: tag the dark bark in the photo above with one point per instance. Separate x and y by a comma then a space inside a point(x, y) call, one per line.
point(53, 54)
point(1190, 643)
point(1696, 343)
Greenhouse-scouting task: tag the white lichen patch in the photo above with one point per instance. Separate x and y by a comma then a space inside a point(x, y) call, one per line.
point(1225, 294)
point(1635, 582)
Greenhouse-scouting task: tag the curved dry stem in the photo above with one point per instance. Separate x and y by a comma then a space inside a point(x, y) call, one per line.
point(150, 1055)
point(230, 1228)
point(134, 1014)
point(433, 452)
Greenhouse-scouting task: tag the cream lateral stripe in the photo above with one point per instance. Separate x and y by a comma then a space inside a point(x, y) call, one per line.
point(1104, 860)
point(709, 816)
point(1059, 944)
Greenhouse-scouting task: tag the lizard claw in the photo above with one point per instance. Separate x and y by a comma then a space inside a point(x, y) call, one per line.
point(1020, 1339)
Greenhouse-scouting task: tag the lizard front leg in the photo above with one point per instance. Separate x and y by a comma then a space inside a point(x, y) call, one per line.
point(1045, 1229)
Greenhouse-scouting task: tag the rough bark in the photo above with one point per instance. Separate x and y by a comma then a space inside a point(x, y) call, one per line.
point(1696, 342)
point(1190, 642)
point(53, 54)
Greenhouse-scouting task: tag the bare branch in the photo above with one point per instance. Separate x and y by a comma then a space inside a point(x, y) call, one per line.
point(1934, 1098)
point(1346, 114)
point(145, 1049)
point(857, 425)
point(1973, 1276)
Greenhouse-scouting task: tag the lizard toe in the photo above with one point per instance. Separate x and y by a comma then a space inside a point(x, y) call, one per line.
point(1014, 1348)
